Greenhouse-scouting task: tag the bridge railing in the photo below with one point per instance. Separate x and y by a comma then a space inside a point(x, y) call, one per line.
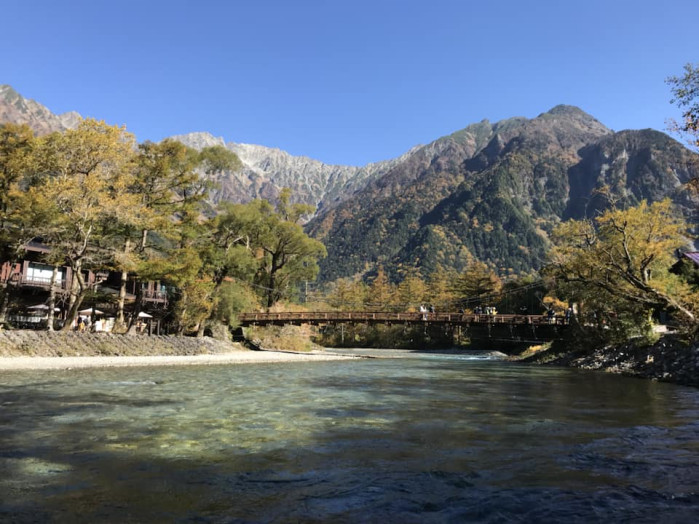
point(384, 317)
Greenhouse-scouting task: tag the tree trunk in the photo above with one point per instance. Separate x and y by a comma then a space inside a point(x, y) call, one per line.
point(77, 293)
point(144, 240)
point(52, 298)
point(217, 286)
point(72, 296)
point(7, 291)
point(4, 304)
point(138, 304)
point(182, 315)
point(271, 292)
point(120, 320)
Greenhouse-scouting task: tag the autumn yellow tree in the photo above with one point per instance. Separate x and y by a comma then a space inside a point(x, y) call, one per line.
point(347, 294)
point(381, 295)
point(16, 144)
point(477, 281)
point(227, 253)
point(441, 289)
point(621, 260)
point(288, 254)
point(169, 192)
point(79, 191)
point(412, 291)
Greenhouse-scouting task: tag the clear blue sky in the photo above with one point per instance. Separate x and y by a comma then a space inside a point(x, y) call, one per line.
point(345, 81)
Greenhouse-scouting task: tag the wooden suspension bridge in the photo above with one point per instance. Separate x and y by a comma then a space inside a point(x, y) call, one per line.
point(507, 327)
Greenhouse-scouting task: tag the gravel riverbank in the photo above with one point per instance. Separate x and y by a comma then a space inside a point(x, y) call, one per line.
point(44, 350)
point(236, 357)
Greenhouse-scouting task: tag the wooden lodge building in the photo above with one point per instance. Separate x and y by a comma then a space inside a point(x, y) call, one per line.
point(29, 280)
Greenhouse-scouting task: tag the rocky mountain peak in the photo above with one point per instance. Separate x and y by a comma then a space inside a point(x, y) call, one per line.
point(199, 140)
point(70, 120)
point(576, 117)
point(568, 110)
point(20, 110)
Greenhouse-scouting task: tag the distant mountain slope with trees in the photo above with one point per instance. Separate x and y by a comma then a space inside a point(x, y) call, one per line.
point(494, 192)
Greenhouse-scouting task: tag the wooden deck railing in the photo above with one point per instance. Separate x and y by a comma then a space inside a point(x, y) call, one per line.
point(18, 279)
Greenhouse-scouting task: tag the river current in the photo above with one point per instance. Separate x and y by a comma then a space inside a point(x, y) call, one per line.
point(423, 437)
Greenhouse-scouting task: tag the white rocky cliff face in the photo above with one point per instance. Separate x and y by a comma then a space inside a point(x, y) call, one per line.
point(267, 170)
point(20, 110)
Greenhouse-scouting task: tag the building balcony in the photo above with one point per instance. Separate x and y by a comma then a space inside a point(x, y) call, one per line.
point(154, 296)
point(36, 281)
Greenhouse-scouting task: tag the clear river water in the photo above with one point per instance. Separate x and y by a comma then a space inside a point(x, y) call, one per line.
point(424, 437)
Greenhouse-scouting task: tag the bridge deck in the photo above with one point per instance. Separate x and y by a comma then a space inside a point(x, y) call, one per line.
point(333, 317)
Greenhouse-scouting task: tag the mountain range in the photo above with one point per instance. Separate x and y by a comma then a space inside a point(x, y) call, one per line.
point(494, 192)
point(491, 191)
point(264, 173)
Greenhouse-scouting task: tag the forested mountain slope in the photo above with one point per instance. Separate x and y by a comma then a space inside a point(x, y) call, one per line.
point(494, 192)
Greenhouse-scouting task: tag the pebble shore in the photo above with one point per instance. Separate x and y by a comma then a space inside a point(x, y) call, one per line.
point(234, 357)
point(45, 350)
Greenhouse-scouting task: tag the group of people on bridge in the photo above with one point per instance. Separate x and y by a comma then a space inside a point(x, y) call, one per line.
point(485, 310)
point(425, 309)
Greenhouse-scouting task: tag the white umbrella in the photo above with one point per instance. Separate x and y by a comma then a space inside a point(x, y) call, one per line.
point(43, 307)
point(90, 311)
point(144, 315)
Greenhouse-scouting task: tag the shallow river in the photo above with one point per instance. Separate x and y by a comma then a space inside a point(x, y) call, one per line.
point(423, 438)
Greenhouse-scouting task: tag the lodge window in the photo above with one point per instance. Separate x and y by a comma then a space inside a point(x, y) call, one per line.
point(41, 273)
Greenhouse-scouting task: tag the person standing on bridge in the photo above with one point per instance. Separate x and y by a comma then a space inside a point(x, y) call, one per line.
point(569, 314)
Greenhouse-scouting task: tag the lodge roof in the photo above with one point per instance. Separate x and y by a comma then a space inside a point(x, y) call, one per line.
point(693, 256)
point(37, 247)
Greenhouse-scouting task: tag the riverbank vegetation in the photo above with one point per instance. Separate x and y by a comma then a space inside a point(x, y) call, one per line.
point(617, 269)
point(93, 200)
point(286, 338)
